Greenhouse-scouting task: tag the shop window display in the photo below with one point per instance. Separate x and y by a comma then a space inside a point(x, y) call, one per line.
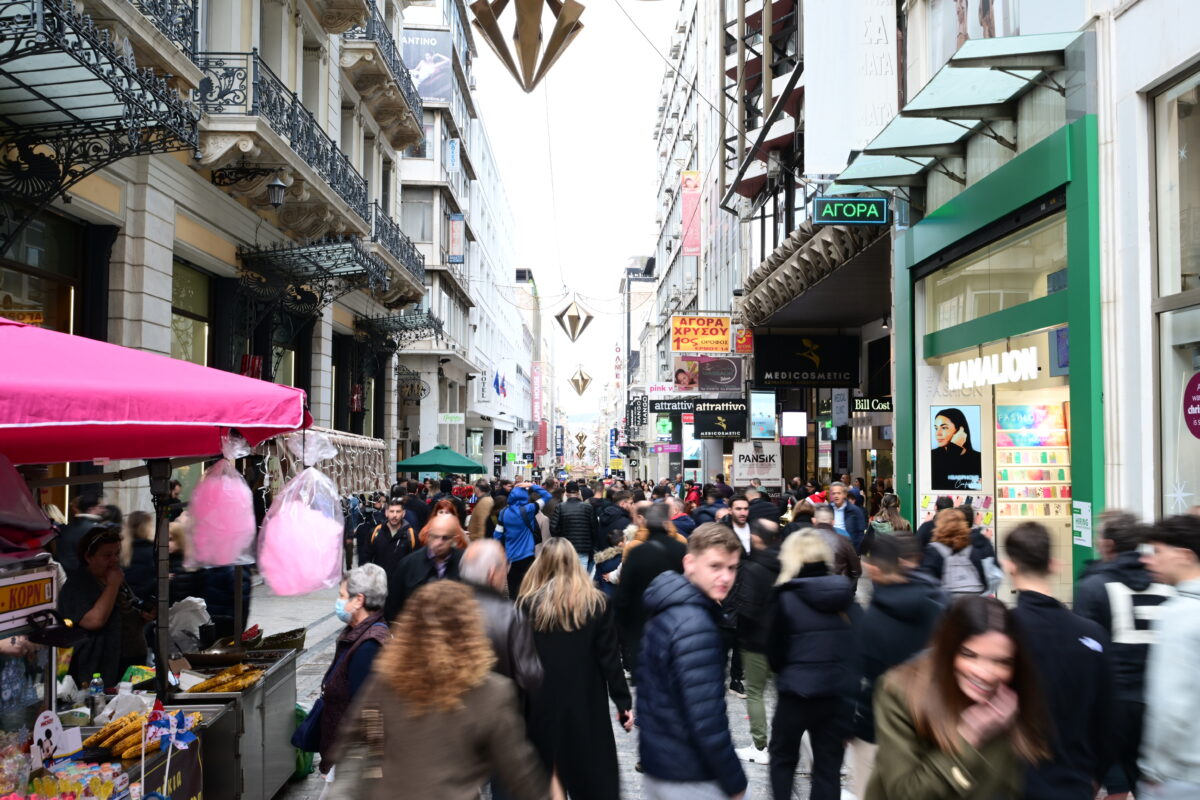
point(1003, 446)
point(1180, 409)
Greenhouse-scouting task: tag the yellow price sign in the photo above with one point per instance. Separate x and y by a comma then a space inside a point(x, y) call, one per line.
point(22, 594)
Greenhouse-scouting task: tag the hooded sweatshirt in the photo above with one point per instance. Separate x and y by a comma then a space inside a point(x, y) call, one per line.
point(1120, 596)
point(1169, 750)
point(518, 521)
point(895, 627)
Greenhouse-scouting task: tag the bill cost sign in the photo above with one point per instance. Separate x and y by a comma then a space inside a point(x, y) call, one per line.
point(700, 334)
point(850, 211)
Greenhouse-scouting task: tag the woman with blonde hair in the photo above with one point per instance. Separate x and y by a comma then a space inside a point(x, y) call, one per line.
point(433, 698)
point(576, 639)
point(810, 647)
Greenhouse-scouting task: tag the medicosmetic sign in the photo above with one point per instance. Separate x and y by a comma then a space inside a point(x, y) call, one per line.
point(700, 334)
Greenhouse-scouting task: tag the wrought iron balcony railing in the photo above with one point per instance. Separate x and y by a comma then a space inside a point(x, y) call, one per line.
point(241, 83)
point(377, 31)
point(175, 18)
point(386, 232)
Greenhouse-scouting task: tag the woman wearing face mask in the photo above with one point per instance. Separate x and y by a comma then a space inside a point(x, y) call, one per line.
point(359, 605)
point(963, 719)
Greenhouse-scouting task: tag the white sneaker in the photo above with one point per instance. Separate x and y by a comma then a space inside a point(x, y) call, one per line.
point(755, 755)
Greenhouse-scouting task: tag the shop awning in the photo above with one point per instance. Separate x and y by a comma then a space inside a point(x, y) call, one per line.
point(305, 278)
point(71, 103)
point(126, 404)
point(980, 85)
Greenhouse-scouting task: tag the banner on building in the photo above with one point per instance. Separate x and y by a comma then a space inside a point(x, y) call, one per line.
point(849, 51)
point(689, 199)
point(427, 54)
point(700, 334)
point(541, 439)
point(560, 435)
point(707, 373)
point(761, 460)
point(452, 156)
point(721, 419)
point(797, 360)
point(613, 452)
point(743, 340)
point(458, 237)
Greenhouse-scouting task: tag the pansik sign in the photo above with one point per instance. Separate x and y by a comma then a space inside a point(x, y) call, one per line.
point(1014, 366)
point(759, 460)
point(707, 334)
point(790, 361)
point(721, 419)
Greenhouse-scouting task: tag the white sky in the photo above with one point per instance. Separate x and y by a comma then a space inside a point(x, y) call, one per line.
point(598, 104)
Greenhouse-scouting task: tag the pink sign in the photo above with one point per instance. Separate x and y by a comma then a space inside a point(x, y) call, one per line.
point(689, 196)
point(792, 440)
point(1191, 405)
point(667, 448)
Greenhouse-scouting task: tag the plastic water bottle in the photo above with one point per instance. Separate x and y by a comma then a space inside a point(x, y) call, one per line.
point(96, 695)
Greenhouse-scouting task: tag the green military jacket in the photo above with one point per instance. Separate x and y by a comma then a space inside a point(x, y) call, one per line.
point(908, 767)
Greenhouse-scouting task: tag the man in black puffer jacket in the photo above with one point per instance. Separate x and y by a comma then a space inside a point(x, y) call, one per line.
point(616, 517)
point(681, 676)
point(575, 521)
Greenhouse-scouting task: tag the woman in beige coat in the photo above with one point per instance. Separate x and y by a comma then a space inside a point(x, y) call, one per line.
point(434, 721)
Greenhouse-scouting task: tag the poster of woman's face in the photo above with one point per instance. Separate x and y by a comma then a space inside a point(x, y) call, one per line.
point(955, 461)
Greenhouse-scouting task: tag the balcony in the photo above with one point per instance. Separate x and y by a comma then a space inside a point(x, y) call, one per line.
point(161, 33)
point(252, 118)
point(398, 251)
point(372, 61)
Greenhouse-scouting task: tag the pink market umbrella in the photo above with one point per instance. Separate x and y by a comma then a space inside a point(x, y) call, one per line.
point(70, 398)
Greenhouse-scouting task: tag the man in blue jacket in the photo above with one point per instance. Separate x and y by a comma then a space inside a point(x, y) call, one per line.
point(685, 747)
point(517, 529)
point(848, 519)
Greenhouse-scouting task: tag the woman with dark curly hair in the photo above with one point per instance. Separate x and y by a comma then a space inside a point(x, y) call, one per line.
point(433, 718)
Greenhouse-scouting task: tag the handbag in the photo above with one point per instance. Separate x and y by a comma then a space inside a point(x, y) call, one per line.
point(307, 736)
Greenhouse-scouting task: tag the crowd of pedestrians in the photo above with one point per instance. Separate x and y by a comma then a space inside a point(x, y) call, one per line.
point(503, 634)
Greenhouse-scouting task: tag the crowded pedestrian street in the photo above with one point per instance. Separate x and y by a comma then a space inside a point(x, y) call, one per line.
point(599, 399)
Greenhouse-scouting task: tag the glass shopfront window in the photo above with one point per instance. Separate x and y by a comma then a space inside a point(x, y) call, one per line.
point(1020, 267)
point(1180, 409)
point(35, 300)
point(1177, 136)
point(190, 306)
point(994, 430)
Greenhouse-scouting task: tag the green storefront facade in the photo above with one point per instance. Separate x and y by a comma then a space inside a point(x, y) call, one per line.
point(1002, 276)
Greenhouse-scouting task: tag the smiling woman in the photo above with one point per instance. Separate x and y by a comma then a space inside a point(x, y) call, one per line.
point(961, 719)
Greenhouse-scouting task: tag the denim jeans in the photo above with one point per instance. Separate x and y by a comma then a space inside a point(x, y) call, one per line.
point(585, 561)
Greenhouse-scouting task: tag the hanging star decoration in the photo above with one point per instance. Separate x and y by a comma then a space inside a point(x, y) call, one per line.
point(527, 34)
point(574, 320)
point(580, 381)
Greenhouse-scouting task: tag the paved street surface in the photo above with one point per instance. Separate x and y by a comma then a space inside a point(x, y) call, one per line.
point(315, 611)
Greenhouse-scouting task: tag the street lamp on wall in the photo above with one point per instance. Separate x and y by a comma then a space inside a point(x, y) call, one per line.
point(275, 191)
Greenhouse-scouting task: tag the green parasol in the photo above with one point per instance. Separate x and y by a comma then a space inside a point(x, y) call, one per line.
point(440, 459)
